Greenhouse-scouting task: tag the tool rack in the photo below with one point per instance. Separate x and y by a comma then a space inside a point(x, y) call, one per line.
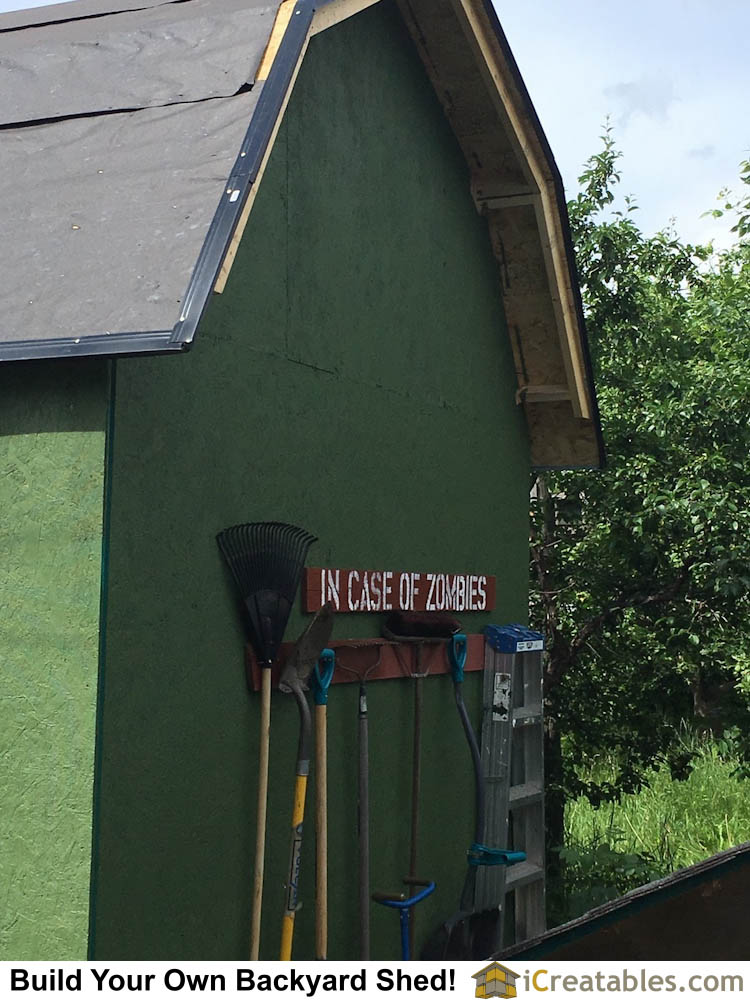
point(359, 653)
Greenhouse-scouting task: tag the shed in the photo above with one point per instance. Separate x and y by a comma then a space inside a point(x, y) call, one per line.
point(344, 221)
point(696, 914)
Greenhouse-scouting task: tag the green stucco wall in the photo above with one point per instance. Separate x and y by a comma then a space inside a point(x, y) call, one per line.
point(354, 378)
point(52, 443)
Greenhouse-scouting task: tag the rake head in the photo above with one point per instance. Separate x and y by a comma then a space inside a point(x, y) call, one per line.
point(266, 559)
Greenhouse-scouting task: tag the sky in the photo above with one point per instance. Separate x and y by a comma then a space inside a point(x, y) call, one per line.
point(674, 77)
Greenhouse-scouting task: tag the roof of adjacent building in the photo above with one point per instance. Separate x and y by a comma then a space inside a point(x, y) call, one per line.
point(695, 914)
point(134, 137)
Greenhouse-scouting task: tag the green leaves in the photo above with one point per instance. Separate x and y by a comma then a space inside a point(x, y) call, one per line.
point(641, 573)
point(739, 205)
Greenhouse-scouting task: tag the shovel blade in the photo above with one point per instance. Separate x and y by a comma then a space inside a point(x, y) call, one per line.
point(307, 650)
point(465, 937)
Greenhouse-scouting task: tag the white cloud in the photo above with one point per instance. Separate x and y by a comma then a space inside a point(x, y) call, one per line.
point(652, 97)
point(674, 76)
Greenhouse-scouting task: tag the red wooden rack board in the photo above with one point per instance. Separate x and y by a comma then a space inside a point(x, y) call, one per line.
point(358, 655)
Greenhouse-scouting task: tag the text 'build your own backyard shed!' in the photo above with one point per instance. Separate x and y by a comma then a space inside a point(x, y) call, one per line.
point(351, 212)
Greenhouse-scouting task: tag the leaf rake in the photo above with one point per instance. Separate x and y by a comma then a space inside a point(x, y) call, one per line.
point(266, 559)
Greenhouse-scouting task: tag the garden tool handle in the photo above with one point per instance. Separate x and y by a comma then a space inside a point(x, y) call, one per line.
point(457, 650)
point(399, 902)
point(292, 888)
point(320, 682)
point(386, 897)
point(292, 903)
point(261, 810)
point(404, 906)
point(320, 679)
point(363, 820)
point(321, 831)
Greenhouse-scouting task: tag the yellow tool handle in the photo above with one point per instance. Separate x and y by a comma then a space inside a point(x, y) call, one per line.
point(295, 857)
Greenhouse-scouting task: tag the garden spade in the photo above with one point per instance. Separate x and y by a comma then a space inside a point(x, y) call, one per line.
point(294, 677)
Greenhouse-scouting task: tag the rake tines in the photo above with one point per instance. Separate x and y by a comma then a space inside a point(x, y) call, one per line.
point(266, 559)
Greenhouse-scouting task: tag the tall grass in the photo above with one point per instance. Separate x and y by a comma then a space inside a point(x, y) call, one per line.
point(668, 824)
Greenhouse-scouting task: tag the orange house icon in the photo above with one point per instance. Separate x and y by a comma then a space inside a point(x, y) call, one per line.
point(494, 980)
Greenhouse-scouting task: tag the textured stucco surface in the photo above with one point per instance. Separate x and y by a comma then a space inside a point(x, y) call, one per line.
point(354, 378)
point(52, 429)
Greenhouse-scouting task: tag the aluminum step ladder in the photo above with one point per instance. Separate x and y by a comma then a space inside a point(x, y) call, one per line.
point(512, 748)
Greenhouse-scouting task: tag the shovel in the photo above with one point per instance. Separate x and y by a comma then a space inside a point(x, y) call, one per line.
point(294, 677)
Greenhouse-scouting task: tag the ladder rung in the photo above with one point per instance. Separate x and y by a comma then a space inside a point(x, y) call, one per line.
point(525, 795)
point(528, 712)
point(531, 720)
point(522, 874)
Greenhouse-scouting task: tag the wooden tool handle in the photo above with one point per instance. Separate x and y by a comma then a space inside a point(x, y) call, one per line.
point(260, 835)
point(321, 833)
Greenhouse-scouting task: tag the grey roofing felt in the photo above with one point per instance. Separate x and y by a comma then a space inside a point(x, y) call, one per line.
point(113, 214)
point(71, 11)
point(136, 59)
point(106, 207)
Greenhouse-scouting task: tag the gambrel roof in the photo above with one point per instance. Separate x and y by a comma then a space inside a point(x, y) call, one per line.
point(134, 138)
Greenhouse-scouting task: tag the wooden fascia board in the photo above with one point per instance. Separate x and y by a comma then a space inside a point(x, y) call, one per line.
point(281, 25)
point(335, 11)
point(491, 58)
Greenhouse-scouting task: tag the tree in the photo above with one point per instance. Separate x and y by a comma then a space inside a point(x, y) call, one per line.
point(641, 573)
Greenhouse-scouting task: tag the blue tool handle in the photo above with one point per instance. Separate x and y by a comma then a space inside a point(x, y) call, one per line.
point(405, 904)
point(457, 649)
point(322, 676)
point(403, 919)
point(404, 907)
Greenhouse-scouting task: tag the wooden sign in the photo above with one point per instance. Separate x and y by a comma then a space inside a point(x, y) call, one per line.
point(371, 590)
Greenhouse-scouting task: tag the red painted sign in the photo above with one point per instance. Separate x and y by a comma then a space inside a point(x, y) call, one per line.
point(370, 590)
